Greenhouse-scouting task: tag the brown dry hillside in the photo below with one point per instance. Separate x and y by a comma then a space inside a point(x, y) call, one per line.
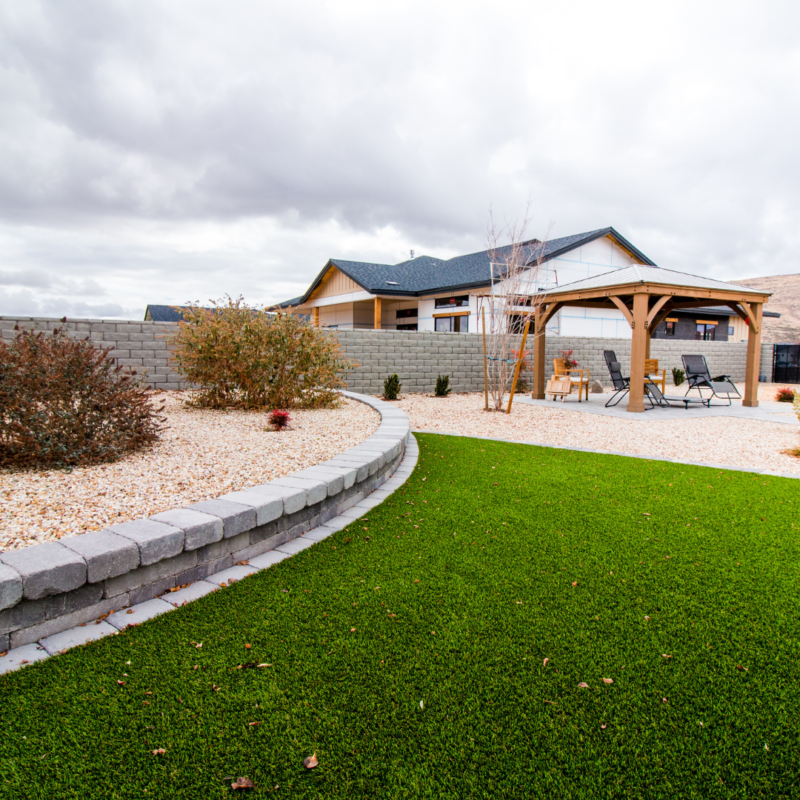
point(786, 301)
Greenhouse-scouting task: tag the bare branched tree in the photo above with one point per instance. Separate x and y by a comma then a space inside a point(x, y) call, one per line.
point(517, 280)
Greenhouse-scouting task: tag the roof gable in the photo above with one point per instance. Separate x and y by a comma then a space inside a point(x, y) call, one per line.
point(427, 274)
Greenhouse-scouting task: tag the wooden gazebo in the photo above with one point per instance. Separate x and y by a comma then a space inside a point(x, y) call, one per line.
point(646, 295)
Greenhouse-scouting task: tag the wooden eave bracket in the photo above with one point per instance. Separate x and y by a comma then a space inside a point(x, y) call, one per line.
point(659, 304)
point(626, 312)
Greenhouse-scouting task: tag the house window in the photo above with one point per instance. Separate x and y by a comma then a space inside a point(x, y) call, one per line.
point(670, 328)
point(405, 313)
point(460, 301)
point(516, 322)
point(409, 326)
point(705, 331)
point(730, 330)
point(459, 324)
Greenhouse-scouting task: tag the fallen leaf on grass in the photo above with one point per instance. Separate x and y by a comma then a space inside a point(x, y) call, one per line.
point(545, 662)
point(583, 685)
point(121, 683)
point(741, 668)
point(269, 665)
point(666, 655)
point(247, 647)
point(603, 727)
point(608, 680)
point(574, 583)
point(251, 724)
point(311, 761)
point(159, 752)
point(352, 630)
point(242, 783)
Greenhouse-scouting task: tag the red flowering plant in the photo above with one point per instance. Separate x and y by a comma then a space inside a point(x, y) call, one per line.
point(279, 420)
point(569, 361)
point(785, 395)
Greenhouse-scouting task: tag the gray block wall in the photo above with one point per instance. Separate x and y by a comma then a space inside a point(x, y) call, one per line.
point(143, 346)
point(416, 356)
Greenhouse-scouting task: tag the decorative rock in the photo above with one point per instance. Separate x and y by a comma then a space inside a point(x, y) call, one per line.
point(199, 529)
point(156, 540)
point(597, 387)
point(106, 554)
point(48, 568)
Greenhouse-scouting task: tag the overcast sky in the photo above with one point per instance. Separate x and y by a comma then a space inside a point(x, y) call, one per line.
point(161, 152)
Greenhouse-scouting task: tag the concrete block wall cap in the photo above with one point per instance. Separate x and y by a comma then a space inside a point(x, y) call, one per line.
point(156, 540)
point(332, 479)
point(268, 506)
point(316, 491)
point(106, 554)
point(236, 518)
point(10, 587)
point(361, 466)
point(198, 527)
point(348, 473)
point(48, 568)
point(294, 499)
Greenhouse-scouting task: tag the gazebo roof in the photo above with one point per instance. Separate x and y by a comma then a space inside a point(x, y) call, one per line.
point(640, 273)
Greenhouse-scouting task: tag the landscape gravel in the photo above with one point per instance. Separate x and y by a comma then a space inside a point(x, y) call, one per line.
point(202, 455)
point(730, 441)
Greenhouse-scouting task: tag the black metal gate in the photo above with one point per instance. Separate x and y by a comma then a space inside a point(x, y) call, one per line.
point(786, 363)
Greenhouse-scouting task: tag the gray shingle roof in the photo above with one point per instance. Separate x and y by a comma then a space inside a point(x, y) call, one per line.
point(639, 273)
point(426, 274)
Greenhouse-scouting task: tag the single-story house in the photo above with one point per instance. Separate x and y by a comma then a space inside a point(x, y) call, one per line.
point(434, 294)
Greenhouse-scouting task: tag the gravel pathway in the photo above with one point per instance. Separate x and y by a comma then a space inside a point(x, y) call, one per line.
point(202, 455)
point(716, 440)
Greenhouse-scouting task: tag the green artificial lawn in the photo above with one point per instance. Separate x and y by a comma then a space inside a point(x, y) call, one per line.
point(408, 651)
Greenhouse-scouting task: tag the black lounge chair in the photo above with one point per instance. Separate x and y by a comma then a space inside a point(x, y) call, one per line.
point(698, 377)
point(622, 385)
point(666, 400)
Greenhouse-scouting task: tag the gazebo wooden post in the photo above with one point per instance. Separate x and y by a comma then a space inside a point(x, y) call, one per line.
point(638, 351)
point(538, 356)
point(753, 357)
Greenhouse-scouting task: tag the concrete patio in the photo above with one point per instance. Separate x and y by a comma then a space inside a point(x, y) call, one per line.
point(766, 411)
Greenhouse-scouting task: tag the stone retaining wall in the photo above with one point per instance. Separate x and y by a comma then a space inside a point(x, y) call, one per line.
point(55, 586)
point(416, 356)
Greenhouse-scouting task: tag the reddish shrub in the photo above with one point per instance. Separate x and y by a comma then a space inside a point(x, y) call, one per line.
point(65, 403)
point(785, 395)
point(279, 420)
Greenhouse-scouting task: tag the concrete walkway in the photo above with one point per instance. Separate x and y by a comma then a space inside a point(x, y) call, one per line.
point(766, 411)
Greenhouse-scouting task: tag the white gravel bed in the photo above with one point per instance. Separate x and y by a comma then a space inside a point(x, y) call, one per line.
point(716, 440)
point(202, 455)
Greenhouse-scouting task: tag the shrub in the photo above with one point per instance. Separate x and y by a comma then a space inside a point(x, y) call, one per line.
point(65, 403)
point(443, 386)
point(785, 395)
point(279, 420)
point(678, 376)
point(391, 387)
point(240, 356)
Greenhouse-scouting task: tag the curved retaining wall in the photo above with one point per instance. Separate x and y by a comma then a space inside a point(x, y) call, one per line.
point(52, 587)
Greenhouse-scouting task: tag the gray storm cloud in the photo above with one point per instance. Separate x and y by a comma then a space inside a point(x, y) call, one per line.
point(170, 151)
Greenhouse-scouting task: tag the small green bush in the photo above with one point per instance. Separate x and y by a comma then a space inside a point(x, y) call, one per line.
point(65, 403)
point(678, 376)
point(241, 356)
point(443, 386)
point(391, 387)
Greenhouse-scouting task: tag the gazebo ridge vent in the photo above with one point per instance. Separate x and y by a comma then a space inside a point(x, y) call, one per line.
point(646, 295)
